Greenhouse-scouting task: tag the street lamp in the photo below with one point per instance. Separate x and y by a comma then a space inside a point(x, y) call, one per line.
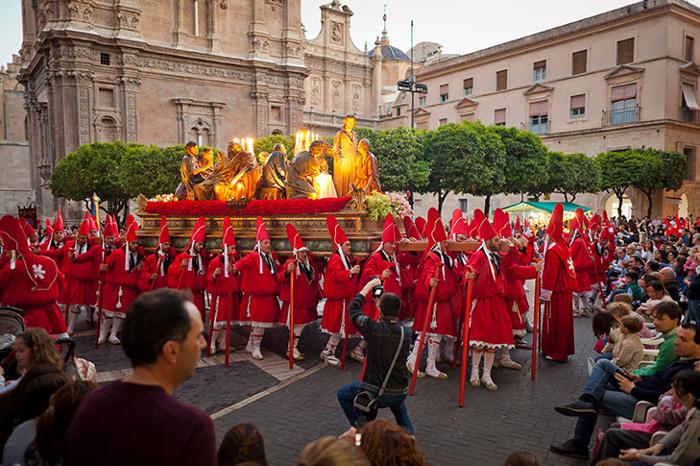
point(410, 84)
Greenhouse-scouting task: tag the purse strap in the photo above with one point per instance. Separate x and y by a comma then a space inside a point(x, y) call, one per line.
point(393, 363)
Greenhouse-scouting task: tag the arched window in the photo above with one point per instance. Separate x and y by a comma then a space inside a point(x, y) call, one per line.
point(200, 132)
point(106, 129)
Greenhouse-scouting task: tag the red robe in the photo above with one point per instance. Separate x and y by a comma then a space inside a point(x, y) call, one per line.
point(339, 289)
point(307, 293)
point(584, 264)
point(443, 314)
point(409, 277)
point(121, 287)
point(558, 281)
point(517, 269)
point(37, 300)
point(375, 264)
point(96, 255)
point(225, 292)
point(259, 306)
point(159, 265)
point(194, 280)
point(81, 278)
point(491, 325)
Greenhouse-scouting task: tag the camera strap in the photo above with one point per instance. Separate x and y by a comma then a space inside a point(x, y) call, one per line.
point(393, 363)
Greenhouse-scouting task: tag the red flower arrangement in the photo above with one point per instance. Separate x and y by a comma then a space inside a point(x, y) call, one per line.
point(253, 208)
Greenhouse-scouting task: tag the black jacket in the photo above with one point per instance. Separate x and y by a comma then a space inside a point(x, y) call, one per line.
point(651, 387)
point(382, 339)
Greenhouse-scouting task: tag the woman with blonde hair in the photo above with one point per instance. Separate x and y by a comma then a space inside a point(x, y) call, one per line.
point(332, 451)
point(387, 444)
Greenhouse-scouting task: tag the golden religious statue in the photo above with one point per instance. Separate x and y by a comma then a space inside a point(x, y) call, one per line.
point(194, 171)
point(344, 157)
point(366, 171)
point(303, 170)
point(274, 174)
point(237, 174)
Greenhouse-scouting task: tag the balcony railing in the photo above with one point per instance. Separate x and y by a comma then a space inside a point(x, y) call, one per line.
point(539, 128)
point(688, 115)
point(334, 120)
point(621, 116)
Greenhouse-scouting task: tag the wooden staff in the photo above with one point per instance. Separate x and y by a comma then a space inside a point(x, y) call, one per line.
point(100, 293)
point(465, 340)
point(158, 264)
point(228, 328)
point(290, 317)
point(421, 340)
point(212, 320)
point(536, 326)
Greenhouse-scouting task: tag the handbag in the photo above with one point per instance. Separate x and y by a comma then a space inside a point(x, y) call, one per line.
point(365, 402)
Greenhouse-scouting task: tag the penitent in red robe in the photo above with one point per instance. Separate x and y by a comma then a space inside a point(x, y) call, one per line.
point(225, 293)
point(558, 282)
point(121, 287)
point(584, 264)
point(158, 264)
point(259, 306)
point(375, 264)
point(443, 314)
point(81, 277)
point(339, 289)
point(517, 269)
point(307, 293)
point(194, 280)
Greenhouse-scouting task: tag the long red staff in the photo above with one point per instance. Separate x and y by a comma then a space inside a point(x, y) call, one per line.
point(158, 264)
point(290, 316)
point(229, 311)
point(421, 340)
point(465, 340)
point(536, 326)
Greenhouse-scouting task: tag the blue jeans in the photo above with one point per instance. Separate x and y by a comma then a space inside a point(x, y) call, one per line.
point(601, 377)
point(600, 356)
point(397, 404)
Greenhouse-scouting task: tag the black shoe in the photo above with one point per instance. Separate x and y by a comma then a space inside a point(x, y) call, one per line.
point(577, 408)
point(569, 448)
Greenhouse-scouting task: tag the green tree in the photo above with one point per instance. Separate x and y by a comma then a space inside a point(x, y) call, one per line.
point(93, 168)
point(663, 170)
point(525, 161)
point(151, 170)
point(465, 158)
point(572, 174)
point(620, 171)
point(267, 144)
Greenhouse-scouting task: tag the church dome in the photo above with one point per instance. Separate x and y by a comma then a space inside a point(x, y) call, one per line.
point(389, 52)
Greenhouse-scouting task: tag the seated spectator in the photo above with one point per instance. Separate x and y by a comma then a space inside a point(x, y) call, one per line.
point(667, 318)
point(657, 294)
point(387, 444)
point(522, 458)
point(136, 420)
point(604, 325)
point(632, 286)
point(32, 348)
point(669, 413)
point(668, 276)
point(243, 442)
point(20, 407)
point(680, 446)
point(628, 352)
point(627, 390)
point(331, 451)
point(651, 266)
point(692, 282)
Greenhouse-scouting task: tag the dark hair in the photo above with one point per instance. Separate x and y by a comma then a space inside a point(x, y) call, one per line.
point(633, 275)
point(30, 397)
point(52, 426)
point(153, 319)
point(385, 443)
point(632, 323)
point(653, 265)
point(190, 144)
point(602, 323)
point(243, 442)
point(42, 347)
point(390, 305)
point(693, 326)
point(522, 458)
point(657, 286)
point(668, 308)
point(687, 382)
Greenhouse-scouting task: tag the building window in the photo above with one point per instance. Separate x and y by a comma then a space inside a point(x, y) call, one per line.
point(578, 106)
point(471, 117)
point(107, 130)
point(689, 152)
point(499, 117)
point(623, 106)
point(398, 111)
point(200, 133)
point(625, 51)
point(689, 48)
point(579, 62)
point(468, 87)
point(104, 59)
point(539, 119)
point(444, 92)
point(464, 205)
point(501, 80)
point(275, 113)
point(539, 71)
point(105, 97)
point(442, 121)
point(421, 101)
point(689, 105)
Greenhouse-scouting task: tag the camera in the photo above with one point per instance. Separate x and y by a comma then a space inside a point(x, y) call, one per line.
point(377, 291)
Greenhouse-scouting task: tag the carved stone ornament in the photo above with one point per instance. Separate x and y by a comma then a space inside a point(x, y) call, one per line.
point(223, 4)
point(315, 91)
point(337, 33)
point(275, 3)
point(261, 44)
point(356, 98)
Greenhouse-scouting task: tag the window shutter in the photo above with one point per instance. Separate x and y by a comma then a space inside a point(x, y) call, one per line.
point(540, 64)
point(468, 83)
point(625, 51)
point(539, 108)
point(580, 62)
point(501, 80)
point(578, 101)
point(444, 89)
point(499, 116)
point(627, 91)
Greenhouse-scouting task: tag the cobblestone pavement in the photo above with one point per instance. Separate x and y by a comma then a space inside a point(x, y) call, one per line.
point(294, 408)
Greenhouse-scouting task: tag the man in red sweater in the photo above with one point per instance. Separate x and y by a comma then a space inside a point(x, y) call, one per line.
point(136, 420)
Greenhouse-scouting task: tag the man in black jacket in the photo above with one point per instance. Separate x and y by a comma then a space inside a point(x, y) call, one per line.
point(382, 337)
point(626, 390)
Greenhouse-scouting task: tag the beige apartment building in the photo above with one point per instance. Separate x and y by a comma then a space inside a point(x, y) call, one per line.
point(622, 79)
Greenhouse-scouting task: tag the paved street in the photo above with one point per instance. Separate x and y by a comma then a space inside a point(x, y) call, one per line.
point(294, 408)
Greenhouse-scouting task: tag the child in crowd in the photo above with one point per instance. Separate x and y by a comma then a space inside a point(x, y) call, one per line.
point(632, 288)
point(629, 350)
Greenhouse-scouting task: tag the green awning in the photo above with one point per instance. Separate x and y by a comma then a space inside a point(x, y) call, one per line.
point(522, 207)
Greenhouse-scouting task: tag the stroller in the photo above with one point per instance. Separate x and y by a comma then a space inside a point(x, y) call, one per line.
point(12, 325)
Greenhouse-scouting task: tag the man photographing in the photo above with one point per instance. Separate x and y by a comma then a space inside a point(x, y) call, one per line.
point(386, 376)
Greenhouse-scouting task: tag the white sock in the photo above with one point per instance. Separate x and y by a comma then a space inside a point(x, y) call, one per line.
point(488, 364)
point(476, 360)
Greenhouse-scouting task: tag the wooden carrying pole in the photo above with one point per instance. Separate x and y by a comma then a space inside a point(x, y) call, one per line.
point(427, 318)
point(465, 340)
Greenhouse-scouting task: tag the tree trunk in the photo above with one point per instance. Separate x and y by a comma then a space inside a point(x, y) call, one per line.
point(573, 197)
point(487, 204)
point(620, 195)
point(566, 197)
point(650, 201)
point(441, 200)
